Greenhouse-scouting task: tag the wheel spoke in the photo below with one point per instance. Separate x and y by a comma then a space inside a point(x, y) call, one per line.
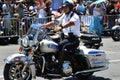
point(16, 73)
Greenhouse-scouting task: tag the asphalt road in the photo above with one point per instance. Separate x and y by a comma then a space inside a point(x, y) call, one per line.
point(111, 48)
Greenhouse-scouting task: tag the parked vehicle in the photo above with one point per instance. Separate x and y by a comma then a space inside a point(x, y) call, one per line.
point(38, 57)
point(91, 40)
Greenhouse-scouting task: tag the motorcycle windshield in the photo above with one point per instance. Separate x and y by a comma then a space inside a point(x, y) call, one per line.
point(36, 30)
point(31, 33)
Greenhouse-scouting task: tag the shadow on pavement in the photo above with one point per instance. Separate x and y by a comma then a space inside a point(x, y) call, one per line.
point(91, 78)
point(98, 78)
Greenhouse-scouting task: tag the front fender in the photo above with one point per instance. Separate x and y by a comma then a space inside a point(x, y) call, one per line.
point(115, 27)
point(15, 58)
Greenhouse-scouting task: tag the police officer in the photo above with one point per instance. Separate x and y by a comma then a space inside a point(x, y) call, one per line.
point(70, 26)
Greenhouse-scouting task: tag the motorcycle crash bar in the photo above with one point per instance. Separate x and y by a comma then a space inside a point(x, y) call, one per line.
point(92, 70)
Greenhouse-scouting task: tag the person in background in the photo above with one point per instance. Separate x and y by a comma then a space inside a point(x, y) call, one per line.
point(6, 10)
point(117, 7)
point(48, 9)
point(6, 20)
point(79, 8)
point(60, 11)
point(32, 7)
point(19, 8)
point(89, 9)
point(40, 7)
point(97, 24)
point(70, 26)
point(41, 4)
point(111, 12)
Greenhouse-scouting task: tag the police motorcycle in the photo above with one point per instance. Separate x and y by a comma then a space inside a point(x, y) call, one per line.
point(38, 57)
point(91, 40)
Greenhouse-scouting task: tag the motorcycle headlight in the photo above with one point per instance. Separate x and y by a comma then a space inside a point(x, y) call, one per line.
point(25, 41)
point(31, 43)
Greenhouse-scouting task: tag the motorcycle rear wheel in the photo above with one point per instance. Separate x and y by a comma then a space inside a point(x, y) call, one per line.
point(83, 66)
point(116, 35)
point(13, 71)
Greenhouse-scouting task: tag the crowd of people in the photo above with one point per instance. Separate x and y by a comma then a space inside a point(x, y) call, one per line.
point(25, 8)
point(106, 11)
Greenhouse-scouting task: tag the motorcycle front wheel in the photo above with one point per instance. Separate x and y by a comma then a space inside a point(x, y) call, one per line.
point(13, 71)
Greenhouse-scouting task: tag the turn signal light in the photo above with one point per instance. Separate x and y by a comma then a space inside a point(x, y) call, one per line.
point(20, 49)
point(31, 51)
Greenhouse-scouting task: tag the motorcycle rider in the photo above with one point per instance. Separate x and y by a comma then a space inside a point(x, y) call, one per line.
point(70, 26)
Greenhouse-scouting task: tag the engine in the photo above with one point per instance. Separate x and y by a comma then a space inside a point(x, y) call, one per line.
point(48, 46)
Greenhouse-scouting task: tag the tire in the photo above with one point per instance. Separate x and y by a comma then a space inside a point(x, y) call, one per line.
point(13, 71)
point(116, 35)
point(83, 66)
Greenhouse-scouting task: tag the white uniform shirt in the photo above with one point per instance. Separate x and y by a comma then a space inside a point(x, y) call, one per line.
point(75, 28)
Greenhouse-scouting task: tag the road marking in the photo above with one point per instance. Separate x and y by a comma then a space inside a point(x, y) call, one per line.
point(115, 60)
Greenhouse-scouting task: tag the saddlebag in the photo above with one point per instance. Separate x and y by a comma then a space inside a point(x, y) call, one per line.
point(97, 58)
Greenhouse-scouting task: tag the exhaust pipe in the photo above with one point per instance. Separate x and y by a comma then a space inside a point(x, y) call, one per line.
point(91, 70)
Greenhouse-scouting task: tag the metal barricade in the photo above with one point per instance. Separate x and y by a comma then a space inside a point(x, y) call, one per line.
point(9, 30)
point(26, 22)
point(9, 26)
point(12, 28)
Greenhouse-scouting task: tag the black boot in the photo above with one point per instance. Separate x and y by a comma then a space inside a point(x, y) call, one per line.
point(61, 60)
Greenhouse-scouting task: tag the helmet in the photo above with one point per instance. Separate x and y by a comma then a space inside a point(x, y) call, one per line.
point(69, 3)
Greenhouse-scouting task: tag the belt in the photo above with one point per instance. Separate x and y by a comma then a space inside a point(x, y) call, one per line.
point(66, 36)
